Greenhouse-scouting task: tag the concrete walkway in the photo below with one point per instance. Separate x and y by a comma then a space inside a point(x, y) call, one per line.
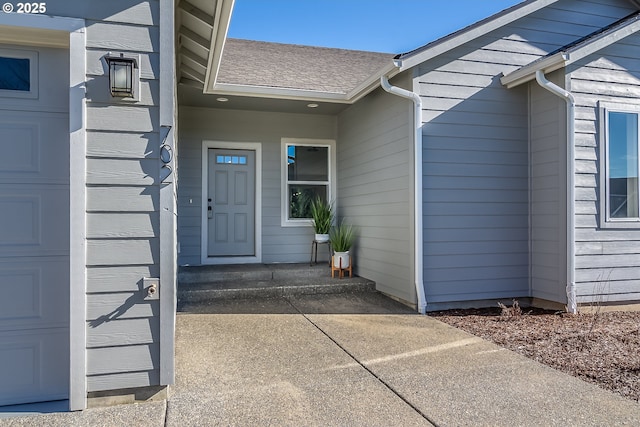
point(350, 360)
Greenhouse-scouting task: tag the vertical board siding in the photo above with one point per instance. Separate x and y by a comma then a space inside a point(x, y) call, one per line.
point(375, 188)
point(548, 193)
point(476, 153)
point(607, 260)
point(122, 194)
point(279, 244)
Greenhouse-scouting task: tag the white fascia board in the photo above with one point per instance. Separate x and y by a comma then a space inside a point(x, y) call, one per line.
point(528, 72)
point(602, 41)
point(475, 31)
point(356, 94)
point(372, 83)
point(222, 19)
point(278, 93)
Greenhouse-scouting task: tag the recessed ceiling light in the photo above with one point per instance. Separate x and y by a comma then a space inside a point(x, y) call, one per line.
point(222, 99)
point(312, 105)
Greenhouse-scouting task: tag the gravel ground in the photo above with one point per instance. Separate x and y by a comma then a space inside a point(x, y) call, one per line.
point(602, 348)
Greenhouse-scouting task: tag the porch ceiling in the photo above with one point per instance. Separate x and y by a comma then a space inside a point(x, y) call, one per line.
point(192, 96)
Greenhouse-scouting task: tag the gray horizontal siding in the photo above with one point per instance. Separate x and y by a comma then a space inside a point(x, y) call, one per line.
point(477, 159)
point(123, 279)
point(375, 188)
point(122, 195)
point(548, 194)
point(607, 260)
point(279, 244)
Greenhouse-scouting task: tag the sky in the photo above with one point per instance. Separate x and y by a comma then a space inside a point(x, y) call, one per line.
point(396, 26)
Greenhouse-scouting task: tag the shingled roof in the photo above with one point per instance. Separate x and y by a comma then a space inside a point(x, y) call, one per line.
point(287, 66)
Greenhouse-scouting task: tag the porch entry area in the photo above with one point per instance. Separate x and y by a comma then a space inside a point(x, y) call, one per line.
point(231, 208)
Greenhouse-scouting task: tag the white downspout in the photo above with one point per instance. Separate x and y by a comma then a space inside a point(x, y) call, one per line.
point(571, 200)
point(417, 140)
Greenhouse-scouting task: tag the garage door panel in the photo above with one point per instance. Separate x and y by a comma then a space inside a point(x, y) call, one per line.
point(29, 152)
point(32, 220)
point(30, 366)
point(34, 226)
point(28, 299)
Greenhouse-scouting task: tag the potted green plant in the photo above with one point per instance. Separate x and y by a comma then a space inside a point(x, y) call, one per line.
point(341, 238)
point(322, 216)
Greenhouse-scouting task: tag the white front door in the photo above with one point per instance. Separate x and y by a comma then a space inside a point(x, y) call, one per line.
point(231, 203)
point(34, 230)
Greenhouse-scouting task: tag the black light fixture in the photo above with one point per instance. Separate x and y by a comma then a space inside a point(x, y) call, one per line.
point(121, 75)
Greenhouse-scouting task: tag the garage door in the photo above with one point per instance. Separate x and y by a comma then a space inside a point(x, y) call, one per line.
point(34, 225)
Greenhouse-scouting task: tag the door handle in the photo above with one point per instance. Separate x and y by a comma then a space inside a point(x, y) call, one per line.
point(209, 210)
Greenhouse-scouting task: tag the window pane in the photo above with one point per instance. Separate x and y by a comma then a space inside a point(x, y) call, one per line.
point(307, 163)
point(300, 197)
point(14, 74)
point(623, 165)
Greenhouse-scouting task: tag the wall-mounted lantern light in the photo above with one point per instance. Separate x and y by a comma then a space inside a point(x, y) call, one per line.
point(121, 75)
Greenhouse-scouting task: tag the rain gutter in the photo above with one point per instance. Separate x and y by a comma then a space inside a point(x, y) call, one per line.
point(417, 170)
point(571, 203)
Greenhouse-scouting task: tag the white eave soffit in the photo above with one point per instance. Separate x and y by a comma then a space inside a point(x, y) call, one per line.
point(354, 95)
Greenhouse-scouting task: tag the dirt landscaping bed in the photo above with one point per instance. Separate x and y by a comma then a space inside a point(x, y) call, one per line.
point(602, 348)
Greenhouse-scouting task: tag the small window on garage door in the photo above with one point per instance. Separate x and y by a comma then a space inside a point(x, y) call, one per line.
point(18, 73)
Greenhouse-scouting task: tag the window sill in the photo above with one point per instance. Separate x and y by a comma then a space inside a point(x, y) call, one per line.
point(297, 223)
point(620, 225)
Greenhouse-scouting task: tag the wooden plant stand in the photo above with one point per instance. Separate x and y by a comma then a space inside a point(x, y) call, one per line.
point(341, 270)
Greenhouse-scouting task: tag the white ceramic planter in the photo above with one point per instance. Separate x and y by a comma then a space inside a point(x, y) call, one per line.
point(341, 259)
point(321, 238)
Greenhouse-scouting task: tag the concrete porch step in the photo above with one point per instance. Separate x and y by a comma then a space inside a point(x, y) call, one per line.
point(198, 284)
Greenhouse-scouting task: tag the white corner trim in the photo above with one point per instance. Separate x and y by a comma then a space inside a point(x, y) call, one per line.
point(78, 215)
point(167, 188)
point(252, 146)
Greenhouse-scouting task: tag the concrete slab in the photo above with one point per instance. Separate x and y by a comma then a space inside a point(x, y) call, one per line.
point(150, 414)
point(349, 359)
point(349, 303)
point(242, 369)
point(239, 306)
point(458, 379)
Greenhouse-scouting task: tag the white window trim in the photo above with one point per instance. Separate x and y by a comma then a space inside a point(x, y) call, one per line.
point(32, 56)
point(284, 196)
point(604, 109)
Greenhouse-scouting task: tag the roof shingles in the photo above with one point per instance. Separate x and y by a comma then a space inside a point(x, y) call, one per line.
point(286, 66)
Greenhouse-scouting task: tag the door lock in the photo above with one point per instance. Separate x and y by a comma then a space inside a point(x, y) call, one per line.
point(209, 210)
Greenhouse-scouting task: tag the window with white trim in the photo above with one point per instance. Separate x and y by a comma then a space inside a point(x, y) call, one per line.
point(18, 73)
point(620, 201)
point(308, 172)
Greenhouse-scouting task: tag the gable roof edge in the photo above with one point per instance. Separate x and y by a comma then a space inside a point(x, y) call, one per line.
point(224, 10)
point(574, 52)
point(479, 29)
point(528, 72)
